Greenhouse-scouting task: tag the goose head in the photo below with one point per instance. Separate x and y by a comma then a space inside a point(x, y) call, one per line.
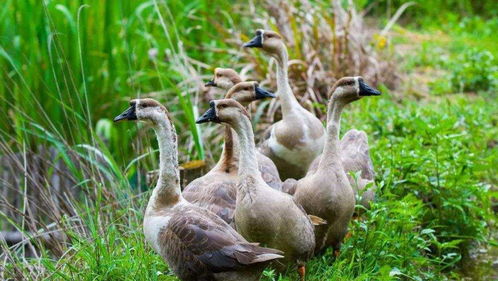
point(143, 110)
point(349, 89)
point(224, 78)
point(247, 92)
point(223, 111)
point(269, 41)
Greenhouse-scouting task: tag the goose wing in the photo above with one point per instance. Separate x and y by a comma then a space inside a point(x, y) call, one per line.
point(269, 171)
point(355, 154)
point(200, 242)
point(215, 194)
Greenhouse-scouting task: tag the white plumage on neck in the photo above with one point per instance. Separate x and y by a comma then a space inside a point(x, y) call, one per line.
point(287, 98)
point(168, 185)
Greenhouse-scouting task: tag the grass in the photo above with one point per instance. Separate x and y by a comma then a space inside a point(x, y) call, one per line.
point(68, 69)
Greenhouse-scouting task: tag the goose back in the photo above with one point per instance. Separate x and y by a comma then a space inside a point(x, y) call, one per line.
point(198, 245)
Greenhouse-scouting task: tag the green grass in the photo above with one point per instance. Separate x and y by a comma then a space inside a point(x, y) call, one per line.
point(68, 69)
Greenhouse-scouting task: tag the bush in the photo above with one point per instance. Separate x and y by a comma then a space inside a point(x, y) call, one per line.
point(474, 70)
point(440, 164)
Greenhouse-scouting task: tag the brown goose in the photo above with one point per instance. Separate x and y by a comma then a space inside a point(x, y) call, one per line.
point(262, 213)
point(296, 140)
point(196, 243)
point(327, 193)
point(217, 190)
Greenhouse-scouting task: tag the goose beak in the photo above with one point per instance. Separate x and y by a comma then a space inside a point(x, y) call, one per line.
point(262, 93)
point(128, 114)
point(256, 42)
point(208, 116)
point(210, 83)
point(366, 90)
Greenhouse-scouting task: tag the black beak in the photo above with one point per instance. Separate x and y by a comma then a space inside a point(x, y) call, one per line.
point(128, 114)
point(256, 42)
point(262, 93)
point(210, 83)
point(208, 116)
point(366, 90)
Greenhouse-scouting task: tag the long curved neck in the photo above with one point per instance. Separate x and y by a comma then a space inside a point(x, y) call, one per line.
point(330, 154)
point(248, 163)
point(230, 154)
point(167, 191)
point(287, 98)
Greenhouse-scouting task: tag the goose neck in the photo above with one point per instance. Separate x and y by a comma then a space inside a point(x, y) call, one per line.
point(230, 154)
point(331, 149)
point(248, 163)
point(167, 191)
point(287, 98)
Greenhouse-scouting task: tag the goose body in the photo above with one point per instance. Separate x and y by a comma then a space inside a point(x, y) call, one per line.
point(296, 140)
point(327, 193)
point(217, 190)
point(263, 214)
point(355, 156)
point(196, 243)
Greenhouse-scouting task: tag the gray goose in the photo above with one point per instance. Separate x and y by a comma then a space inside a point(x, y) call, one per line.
point(263, 214)
point(217, 189)
point(196, 243)
point(327, 192)
point(296, 140)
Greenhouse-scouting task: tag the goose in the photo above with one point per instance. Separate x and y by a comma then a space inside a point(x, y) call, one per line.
point(196, 243)
point(263, 214)
point(217, 189)
point(327, 193)
point(296, 140)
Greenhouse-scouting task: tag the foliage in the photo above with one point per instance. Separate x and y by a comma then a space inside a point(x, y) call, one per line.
point(474, 70)
point(436, 11)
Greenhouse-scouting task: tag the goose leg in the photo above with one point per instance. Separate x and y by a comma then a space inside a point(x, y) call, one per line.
point(301, 270)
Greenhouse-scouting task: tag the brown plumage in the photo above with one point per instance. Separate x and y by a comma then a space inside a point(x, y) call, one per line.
point(196, 243)
point(327, 193)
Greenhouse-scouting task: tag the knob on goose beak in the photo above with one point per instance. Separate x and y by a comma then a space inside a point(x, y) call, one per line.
point(262, 93)
point(256, 42)
point(129, 114)
point(209, 115)
point(366, 90)
point(210, 83)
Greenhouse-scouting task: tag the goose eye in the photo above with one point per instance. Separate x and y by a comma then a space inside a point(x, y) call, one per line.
point(223, 105)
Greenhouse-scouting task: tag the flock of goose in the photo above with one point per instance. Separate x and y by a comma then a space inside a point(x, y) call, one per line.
point(213, 229)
